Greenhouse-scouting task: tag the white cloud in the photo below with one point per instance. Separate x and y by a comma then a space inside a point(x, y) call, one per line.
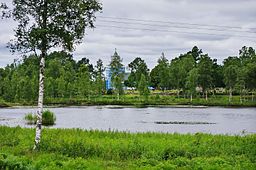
point(102, 41)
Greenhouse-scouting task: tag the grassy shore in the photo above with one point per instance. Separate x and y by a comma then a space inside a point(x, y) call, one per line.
point(136, 100)
point(78, 149)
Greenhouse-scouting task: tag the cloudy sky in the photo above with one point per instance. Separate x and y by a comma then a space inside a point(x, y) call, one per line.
point(146, 28)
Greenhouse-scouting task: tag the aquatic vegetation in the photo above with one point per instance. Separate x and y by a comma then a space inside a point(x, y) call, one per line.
point(30, 118)
point(48, 118)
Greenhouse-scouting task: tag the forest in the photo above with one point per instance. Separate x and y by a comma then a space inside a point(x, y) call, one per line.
point(191, 75)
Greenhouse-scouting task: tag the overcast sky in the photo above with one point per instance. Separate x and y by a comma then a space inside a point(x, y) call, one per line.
point(146, 28)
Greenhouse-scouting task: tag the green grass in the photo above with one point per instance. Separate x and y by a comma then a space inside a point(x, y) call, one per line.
point(155, 99)
point(78, 149)
point(30, 118)
point(3, 103)
point(48, 118)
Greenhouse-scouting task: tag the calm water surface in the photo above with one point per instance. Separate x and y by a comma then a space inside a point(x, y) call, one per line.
point(223, 120)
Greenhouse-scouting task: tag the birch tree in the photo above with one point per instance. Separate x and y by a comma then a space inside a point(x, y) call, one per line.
point(230, 78)
point(205, 72)
point(45, 25)
point(192, 82)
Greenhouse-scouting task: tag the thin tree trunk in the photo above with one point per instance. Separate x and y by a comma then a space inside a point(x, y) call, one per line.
point(206, 97)
point(241, 100)
point(191, 97)
point(41, 79)
point(40, 102)
point(252, 96)
point(230, 95)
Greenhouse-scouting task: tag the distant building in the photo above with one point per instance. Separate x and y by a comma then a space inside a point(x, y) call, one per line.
point(108, 74)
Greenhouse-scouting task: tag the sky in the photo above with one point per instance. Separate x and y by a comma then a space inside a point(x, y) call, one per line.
point(146, 28)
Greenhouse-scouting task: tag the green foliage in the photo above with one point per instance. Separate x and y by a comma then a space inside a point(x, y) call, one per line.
point(179, 71)
point(163, 72)
point(78, 149)
point(99, 78)
point(49, 24)
point(30, 118)
point(117, 73)
point(83, 81)
point(143, 87)
point(78, 82)
point(205, 72)
point(138, 68)
point(192, 81)
point(48, 118)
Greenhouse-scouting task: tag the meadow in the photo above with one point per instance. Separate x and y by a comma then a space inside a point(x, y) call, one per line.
point(93, 149)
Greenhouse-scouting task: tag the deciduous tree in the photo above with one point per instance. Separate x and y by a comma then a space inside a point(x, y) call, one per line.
point(46, 24)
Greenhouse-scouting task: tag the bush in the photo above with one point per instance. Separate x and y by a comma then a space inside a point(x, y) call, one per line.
point(30, 118)
point(110, 92)
point(48, 118)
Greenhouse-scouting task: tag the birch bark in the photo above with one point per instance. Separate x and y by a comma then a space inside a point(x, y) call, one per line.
point(230, 95)
point(40, 103)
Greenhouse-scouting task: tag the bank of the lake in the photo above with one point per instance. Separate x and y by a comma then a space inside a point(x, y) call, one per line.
point(138, 101)
point(78, 149)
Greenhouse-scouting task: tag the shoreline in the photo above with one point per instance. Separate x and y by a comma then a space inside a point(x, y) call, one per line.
point(174, 105)
point(125, 106)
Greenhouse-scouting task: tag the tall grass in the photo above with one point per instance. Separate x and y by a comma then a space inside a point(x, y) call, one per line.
point(154, 99)
point(79, 149)
point(48, 118)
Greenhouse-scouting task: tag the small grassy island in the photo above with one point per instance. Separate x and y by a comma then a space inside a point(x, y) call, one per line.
point(79, 149)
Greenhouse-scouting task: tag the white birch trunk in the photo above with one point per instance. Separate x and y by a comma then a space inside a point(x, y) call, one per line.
point(230, 95)
point(241, 101)
point(191, 97)
point(40, 103)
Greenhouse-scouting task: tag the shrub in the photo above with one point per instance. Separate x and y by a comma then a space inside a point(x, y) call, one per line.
point(48, 118)
point(110, 92)
point(30, 118)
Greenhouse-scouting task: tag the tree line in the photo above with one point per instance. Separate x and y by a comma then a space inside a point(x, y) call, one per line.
point(191, 74)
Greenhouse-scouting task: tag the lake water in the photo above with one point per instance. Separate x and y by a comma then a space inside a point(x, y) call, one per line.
point(215, 120)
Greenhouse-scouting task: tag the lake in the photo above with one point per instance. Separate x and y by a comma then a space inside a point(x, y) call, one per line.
point(214, 120)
